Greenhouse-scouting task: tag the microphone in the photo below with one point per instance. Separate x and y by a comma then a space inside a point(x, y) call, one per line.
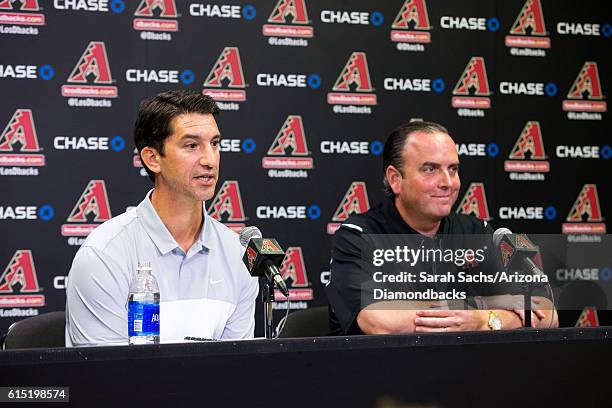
point(517, 251)
point(263, 256)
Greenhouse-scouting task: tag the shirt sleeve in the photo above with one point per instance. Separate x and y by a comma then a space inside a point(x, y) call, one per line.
point(241, 324)
point(350, 271)
point(96, 305)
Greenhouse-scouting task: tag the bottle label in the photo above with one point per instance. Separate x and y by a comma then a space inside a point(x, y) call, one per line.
point(143, 319)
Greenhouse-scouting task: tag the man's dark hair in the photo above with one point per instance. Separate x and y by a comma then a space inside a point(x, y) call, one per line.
point(155, 115)
point(394, 146)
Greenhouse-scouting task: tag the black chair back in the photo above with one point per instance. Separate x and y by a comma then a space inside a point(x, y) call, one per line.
point(312, 322)
point(45, 330)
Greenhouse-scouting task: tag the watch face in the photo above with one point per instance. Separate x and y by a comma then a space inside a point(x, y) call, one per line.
point(496, 323)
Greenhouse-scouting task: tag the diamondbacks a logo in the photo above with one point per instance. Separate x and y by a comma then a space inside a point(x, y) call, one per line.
point(25, 5)
point(280, 26)
point(20, 277)
point(251, 257)
point(354, 77)
point(528, 154)
point(586, 84)
point(473, 81)
point(228, 70)
point(268, 245)
point(165, 9)
point(411, 26)
point(17, 16)
point(529, 30)
point(588, 317)
point(290, 142)
point(92, 67)
point(227, 206)
point(92, 202)
point(19, 135)
point(293, 269)
point(585, 217)
point(355, 201)
point(475, 202)
point(294, 8)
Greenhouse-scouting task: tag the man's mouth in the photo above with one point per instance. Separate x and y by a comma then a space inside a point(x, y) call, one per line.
point(205, 178)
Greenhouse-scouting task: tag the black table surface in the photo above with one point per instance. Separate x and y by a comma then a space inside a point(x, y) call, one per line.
point(561, 367)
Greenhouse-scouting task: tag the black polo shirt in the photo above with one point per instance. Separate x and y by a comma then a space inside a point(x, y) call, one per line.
point(350, 269)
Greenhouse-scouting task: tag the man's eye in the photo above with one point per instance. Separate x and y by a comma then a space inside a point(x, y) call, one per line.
point(428, 169)
point(192, 146)
point(215, 143)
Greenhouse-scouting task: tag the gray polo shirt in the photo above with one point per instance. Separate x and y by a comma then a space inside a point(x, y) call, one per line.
point(206, 292)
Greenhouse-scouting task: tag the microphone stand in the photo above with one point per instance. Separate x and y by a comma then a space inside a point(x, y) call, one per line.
point(267, 297)
point(527, 303)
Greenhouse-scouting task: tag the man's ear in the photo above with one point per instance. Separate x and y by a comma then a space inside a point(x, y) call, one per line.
point(150, 157)
point(394, 178)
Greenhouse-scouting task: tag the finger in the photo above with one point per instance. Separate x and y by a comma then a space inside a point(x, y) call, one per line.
point(540, 313)
point(433, 313)
point(424, 329)
point(431, 322)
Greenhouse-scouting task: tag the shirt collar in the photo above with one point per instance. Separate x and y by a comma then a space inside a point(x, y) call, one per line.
point(394, 215)
point(161, 237)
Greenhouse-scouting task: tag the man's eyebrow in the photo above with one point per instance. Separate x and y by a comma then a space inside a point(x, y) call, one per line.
point(196, 137)
point(434, 164)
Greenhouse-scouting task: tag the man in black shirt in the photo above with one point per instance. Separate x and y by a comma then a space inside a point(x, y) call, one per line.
point(421, 178)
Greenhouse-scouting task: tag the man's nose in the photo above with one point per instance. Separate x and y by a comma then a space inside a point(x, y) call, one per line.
point(208, 157)
point(445, 179)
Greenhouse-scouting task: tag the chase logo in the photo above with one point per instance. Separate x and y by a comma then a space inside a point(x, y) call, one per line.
point(289, 80)
point(469, 23)
point(162, 76)
point(236, 145)
point(299, 212)
point(374, 18)
point(116, 6)
point(247, 12)
point(374, 147)
point(528, 213)
point(414, 84)
point(478, 149)
point(45, 72)
point(117, 143)
point(29, 212)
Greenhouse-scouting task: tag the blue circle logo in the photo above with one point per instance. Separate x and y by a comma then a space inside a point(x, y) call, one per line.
point(438, 85)
point(249, 145)
point(117, 6)
point(376, 18)
point(605, 273)
point(117, 143)
point(249, 12)
point(376, 147)
point(550, 213)
point(46, 212)
point(314, 81)
point(493, 24)
point(187, 76)
point(492, 149)
point(551, 89)
point(606, 151)
point(606, 30)
point(314, 212)
point(46, 72)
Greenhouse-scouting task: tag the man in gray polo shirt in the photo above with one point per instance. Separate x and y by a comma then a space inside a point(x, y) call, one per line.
point(205, 289)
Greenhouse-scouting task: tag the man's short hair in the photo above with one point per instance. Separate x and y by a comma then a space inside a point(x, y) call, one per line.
point(155, 115)
point(394, 146)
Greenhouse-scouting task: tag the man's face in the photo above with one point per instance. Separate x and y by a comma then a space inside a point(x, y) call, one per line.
point(190, 164)
point(430, 183)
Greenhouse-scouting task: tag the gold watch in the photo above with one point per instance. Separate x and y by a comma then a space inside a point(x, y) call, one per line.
point(495, 322)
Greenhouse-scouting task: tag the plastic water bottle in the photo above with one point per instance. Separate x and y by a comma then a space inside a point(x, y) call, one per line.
point(143, 307)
